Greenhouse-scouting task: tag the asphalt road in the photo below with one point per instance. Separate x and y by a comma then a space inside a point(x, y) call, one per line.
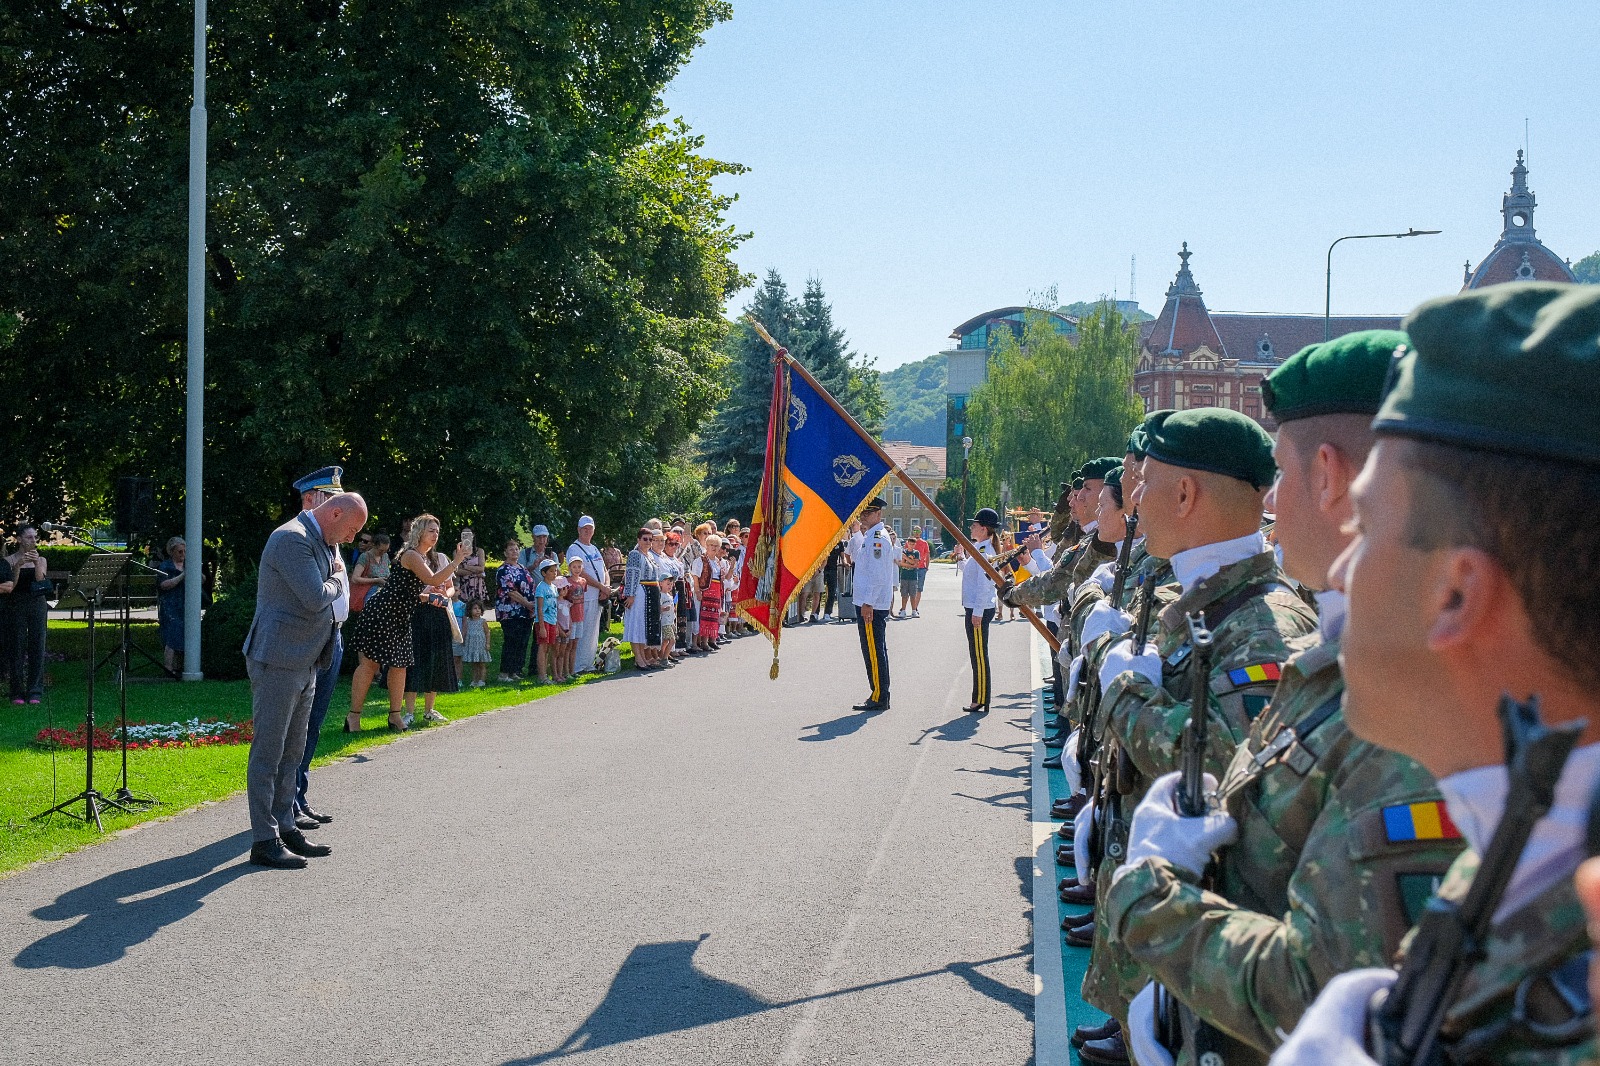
point(695, 866)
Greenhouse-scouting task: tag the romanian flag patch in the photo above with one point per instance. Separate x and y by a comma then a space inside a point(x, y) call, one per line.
point(1419, 821)
point(1249, 675)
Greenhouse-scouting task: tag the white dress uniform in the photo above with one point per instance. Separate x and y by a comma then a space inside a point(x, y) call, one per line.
point(873, 554)
point(978, 599)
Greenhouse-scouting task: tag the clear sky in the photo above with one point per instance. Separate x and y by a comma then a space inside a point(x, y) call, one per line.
point(930, 161)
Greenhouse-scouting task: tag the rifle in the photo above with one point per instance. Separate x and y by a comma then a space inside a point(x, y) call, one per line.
point(1449, 941)
point(1123, 566)
point(1191, 795)
point(1141, 628)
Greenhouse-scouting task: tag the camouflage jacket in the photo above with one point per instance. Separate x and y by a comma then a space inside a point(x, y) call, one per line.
point(1055, 586)
point(1252, 614)
point(1316, 883)
point(1527, 952)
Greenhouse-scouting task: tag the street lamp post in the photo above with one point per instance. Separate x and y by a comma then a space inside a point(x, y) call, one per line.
point(194, 426)
point(1327, 307)
point(966, 462)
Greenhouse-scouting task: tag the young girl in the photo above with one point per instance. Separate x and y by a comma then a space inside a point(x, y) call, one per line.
point(577, 591)
point(562, 665)
point(546, 612)
point(475, 631)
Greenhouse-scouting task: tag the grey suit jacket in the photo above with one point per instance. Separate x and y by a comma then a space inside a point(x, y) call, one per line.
point(293, 626)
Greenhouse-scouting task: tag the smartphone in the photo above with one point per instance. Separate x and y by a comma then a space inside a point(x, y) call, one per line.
point(466, 538)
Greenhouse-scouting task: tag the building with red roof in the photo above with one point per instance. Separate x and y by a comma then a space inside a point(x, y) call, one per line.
point(1519, 255)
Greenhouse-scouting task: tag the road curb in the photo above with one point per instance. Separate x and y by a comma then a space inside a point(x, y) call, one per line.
point(1051, 1046)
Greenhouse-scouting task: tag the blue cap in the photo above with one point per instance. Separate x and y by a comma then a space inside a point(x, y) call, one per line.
point(987, 516)
point(324, 480)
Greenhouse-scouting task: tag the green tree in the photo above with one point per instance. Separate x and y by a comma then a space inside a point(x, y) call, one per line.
point(1050, 402)
point(915, 396)
point(453, 246)
point(733, 445)
point(1587, 269)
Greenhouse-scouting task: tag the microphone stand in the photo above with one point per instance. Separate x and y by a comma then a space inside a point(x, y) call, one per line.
point(124, 796)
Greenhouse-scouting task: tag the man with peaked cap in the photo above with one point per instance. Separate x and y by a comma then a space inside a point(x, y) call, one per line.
point(1473, 576)
point(1291, 903)
point(1206, 474)
point(315, 489)
point(873, 553)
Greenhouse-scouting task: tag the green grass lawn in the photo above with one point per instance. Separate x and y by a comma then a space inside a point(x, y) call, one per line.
point(180, 777)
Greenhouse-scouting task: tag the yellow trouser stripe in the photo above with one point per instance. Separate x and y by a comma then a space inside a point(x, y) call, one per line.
point(979, 664)
point(872, 656)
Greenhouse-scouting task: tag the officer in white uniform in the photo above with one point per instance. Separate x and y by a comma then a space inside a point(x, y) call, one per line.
point(873, 553)
point(978, 600)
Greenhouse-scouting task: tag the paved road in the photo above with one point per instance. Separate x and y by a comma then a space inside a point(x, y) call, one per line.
point(697, 866)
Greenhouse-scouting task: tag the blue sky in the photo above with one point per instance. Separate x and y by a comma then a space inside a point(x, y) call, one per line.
point(930, 161)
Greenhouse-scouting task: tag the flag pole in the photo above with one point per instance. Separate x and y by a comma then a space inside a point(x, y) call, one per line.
point(916, 490)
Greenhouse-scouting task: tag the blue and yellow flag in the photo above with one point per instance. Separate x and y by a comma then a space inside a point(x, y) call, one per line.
point(820, 471)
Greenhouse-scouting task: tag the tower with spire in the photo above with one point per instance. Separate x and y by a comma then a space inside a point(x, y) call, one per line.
point(1519, 255)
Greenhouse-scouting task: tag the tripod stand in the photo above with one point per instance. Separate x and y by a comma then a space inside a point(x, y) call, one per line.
point(90, 583)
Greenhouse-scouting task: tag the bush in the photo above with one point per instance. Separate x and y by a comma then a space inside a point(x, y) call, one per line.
point(224, 628)
point(67, 557)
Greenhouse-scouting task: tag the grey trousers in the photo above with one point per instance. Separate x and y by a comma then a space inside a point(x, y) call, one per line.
point(280, 706)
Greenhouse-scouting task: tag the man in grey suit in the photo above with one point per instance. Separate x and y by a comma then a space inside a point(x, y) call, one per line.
point(290, 641)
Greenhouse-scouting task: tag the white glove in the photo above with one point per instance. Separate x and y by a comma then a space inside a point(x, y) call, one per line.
point(1081, 825)
point(1121, 657)
point(1069, 762)
point(1074, 676)
point(1104, 618)
point(1334, 1028)
point(1147, 1050)
point(1158, 830)
point(1105, 576)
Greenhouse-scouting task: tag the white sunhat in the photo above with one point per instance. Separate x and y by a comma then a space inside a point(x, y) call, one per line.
point(585, 521)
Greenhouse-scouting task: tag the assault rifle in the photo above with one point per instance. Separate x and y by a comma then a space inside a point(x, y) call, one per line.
point(1191, 795)
point(1404, 1022)
point(1141, 628)
point(1123, 566)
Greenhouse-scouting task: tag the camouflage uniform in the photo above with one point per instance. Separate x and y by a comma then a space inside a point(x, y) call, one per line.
point(1057, 585)
point(1252, 614)
point(1544, 941)
point(1313, 887)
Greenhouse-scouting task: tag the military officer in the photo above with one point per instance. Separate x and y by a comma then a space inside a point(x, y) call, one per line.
point(1473, 575)
point(1206, 473)
point(872, 553)
point(1339, 842)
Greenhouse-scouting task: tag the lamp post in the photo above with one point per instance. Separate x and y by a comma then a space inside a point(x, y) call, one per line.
point(966, 462)
point(194, 427)
point(1327, 307)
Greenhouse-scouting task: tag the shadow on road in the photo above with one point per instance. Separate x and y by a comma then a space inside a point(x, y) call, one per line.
point(659, 990)
point(963, 726)
point(111, 926)
point(840, 727)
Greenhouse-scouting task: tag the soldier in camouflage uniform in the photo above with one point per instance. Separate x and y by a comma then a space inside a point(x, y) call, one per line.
point(1339, 842)
point(1473, 574)
point(1206, 472)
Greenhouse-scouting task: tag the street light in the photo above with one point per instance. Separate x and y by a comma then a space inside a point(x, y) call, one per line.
point(966, 457)
point(1327, 307)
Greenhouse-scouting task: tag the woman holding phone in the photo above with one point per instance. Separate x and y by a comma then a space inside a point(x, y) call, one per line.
point(27, 612)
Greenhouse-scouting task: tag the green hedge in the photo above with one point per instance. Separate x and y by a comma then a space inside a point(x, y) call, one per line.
point(224, 628)
point(71, 638)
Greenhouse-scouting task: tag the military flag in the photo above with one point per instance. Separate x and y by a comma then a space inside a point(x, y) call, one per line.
point(820, 470)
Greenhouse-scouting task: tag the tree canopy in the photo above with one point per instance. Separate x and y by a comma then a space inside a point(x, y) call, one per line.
point(1050, 402)
point(734, 443)
point(1587, 269)
point(454, 246)
point(915, 395)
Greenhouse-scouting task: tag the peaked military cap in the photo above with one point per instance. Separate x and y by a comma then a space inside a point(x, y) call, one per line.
point(324, 480)
point(1511, 368)
point(1214, 439)
point(1342, 376)
point(987, 516)
point(875, 504)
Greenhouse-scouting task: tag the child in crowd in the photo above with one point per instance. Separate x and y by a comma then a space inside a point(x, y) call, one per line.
point(562, 667)
point(458, 646)
point(475, 631)
point(577, 589)
point(669, 615)
point(546, 631)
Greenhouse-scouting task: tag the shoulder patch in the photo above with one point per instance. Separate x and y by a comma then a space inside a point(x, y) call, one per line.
point(1258, 674)
point(1419, 821)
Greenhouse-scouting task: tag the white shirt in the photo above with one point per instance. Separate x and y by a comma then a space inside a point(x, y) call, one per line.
point(1195, 565)
point(1477, 799)
point(1331, 611)
point(594, 569)
point(977, 588)
point(341, 606)
point(874, 555)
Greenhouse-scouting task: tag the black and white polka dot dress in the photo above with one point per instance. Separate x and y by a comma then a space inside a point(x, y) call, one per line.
point(383, 633)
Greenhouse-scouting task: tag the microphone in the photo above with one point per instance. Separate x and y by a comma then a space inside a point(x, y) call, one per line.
point(48, 526)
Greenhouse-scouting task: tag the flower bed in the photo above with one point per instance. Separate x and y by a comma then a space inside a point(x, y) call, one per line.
point(191, 734)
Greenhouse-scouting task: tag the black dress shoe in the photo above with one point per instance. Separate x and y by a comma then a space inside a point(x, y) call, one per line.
point(305, 821)
point(1069, 806)
point(296, 842)
point(1077, 921)
point(1108, 1052)
point(1052, 763)
point(976, 708)
point(1064, 830)
point(273, 855)
point(872, 705)
point(1080, 937)
point(1064, 855)
point(1085, 1033)
point(1070, 891)
point(1057, 741)
point(318, 815)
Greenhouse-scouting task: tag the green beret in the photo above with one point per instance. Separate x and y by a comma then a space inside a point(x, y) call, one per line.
point(1214, 439)
point(1136, 443)
point(1077, 481)
point(1114, 483)
point(1511, 368)
point(1096, 469)
point(1344, 376)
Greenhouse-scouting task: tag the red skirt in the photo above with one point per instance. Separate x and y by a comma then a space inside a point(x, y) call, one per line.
point(711, 608)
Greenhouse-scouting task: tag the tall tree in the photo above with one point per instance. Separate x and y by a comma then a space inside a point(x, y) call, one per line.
point(1050, 402)
point(733, 446)
point(452, 245)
